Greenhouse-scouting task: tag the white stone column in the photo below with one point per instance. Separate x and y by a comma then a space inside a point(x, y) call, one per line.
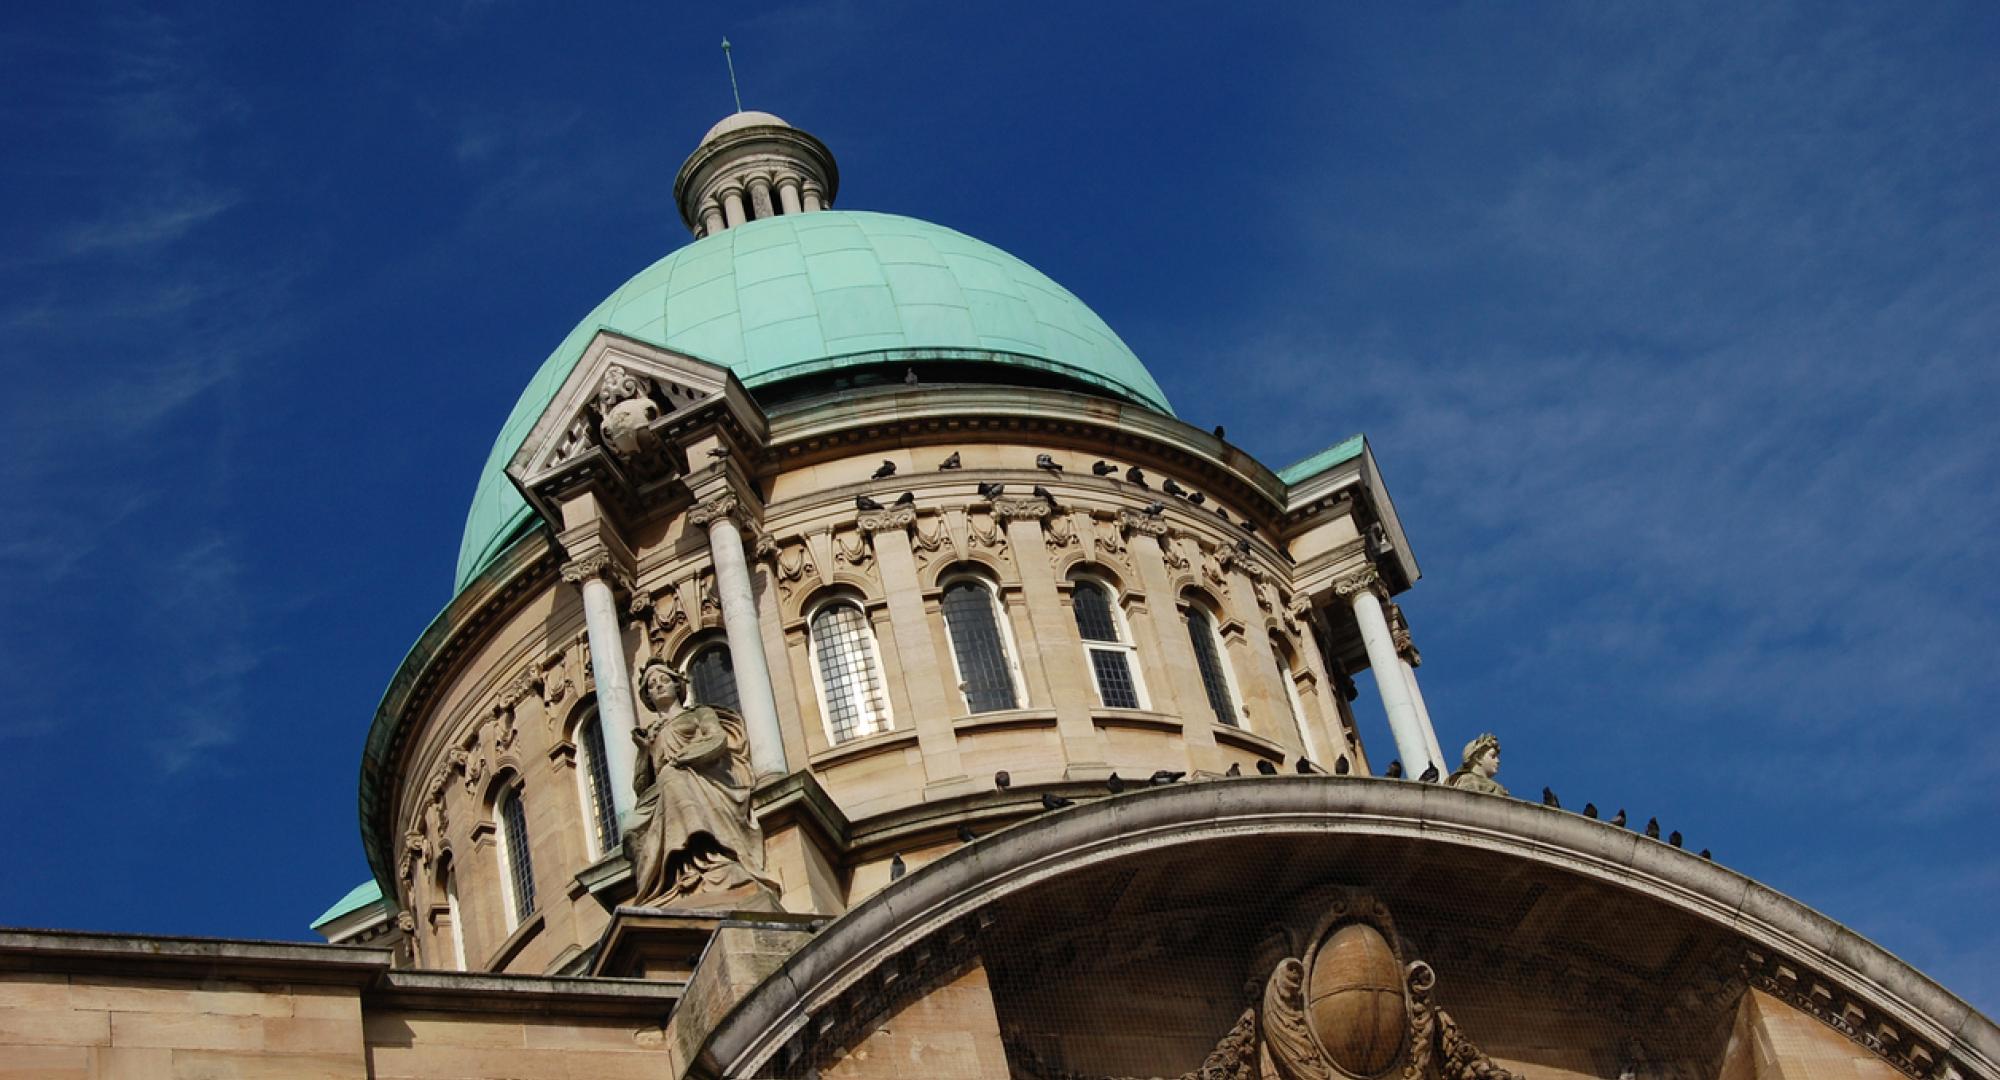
point(1410, 659)
point(746, 642)
point(711, 219)
point(1359, 590)
point(732, 207)
point(616, 714)
point(812, 198)
point(788, 195)
point(761, 206)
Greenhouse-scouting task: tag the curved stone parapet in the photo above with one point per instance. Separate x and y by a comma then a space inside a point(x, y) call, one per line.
point(1934, 1032)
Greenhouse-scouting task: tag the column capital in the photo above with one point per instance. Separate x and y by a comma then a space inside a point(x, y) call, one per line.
point(1035, 509)
point(1133, 521)
point(598, 564)
point(725, 506)
point(1362, 579)
point(894, 519)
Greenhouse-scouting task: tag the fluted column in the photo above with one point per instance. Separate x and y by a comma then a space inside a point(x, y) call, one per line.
point(1360, 589)
point(739, 625)
point(617, 716)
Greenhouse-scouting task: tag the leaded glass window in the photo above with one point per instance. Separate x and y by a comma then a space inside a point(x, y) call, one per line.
point(850, 679)
point(598, 803)
point(1110, 654)
point(1208, 659)
point(520, 868)
point(985, 674)
point(713, 675)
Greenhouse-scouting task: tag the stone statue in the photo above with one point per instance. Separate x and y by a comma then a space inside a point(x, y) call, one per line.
point(691, 832)
point(1475, 773)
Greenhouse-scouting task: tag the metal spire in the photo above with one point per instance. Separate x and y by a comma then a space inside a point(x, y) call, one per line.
point(732, 75)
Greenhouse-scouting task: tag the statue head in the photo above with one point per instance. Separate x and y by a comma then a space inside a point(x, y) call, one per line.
point(1482, 755)
point(661, 687)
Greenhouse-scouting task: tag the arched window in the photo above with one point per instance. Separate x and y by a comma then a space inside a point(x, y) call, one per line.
point(448, 881)
point(1108, 646)
point(1288, 673)
point(600, 809)
point(713, 676)
point(1208, 660)
point(978, 645)
point(850, 673)
point(518, 878)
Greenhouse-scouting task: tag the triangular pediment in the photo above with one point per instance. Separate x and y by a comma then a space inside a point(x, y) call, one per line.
point(661, 391)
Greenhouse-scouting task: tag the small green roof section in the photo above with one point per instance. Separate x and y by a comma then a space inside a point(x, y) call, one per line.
point(360, 896)
point(1345, 450)
point(801, 294)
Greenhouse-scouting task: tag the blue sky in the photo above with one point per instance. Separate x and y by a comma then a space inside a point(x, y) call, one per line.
point(1676, 329)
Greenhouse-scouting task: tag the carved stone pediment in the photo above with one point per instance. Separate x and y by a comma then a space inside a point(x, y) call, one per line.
point(616, 419)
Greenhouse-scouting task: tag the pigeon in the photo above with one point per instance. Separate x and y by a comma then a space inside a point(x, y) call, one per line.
point(718, 452)
point(1197, 498)
point(1235, 769)
point(965, 834)
point(1102, 468)
point(1590, 810)
point(1172, 488)
point(883, 471)
point(1304, 767)
point(1218, 432)
point(1265, 768)
point(990, 490)
point(1243, 547)
point(907, 498)
point(1674, 838)
point(1620, 819)
point(863, 502)
point(1042, 493)
point(1340, 765)
point(1046, 463)
point(1055, 802)
point(1114, 784)
point(1221, 513)
point(1248, 526)
point(1549, 799)
point(949, 463)
point(896, 867)
point(1002, 781)
point(1430, 775)
point(1705, 854)
point(1653, 828)
point(910, 377)
point(1163, 777)
point(1136, 475)
point(1155, 509)
point(1394, 771)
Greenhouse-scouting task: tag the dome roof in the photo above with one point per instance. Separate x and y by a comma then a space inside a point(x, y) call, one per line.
point(749, 118)
point(802, 294)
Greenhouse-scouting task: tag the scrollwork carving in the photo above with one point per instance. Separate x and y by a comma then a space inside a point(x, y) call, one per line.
point(626, 411)
point(1033, 509)
point(1133, 522)
point(596, 564)
point(721, 508)
point(1355, 581)
point(894, 518)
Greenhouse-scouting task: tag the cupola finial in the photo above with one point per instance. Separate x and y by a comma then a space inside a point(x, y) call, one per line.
point(733, 92)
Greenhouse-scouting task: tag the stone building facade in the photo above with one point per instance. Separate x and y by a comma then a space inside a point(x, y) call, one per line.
point(858, 670)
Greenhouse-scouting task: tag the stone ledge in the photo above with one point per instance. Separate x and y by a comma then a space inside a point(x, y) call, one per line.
point(190, 957)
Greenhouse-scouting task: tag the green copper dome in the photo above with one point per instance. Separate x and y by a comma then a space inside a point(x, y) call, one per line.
point(803, 294)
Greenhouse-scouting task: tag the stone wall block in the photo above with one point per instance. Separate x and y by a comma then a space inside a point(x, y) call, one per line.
point(57, 1027)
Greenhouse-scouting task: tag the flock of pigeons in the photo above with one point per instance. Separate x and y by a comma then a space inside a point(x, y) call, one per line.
point(1117, 785)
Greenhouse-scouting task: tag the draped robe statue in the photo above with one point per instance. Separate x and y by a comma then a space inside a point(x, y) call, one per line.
point(691, 832)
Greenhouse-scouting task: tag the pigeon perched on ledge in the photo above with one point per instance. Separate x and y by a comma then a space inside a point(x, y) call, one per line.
point(884, 471)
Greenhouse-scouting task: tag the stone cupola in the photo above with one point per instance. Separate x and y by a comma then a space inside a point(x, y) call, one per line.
point(752, 166)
